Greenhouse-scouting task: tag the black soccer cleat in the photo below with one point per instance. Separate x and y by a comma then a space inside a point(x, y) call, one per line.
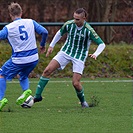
point(37, 99)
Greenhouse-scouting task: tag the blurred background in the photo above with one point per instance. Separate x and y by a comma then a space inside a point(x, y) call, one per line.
point(117, 58)
point(62, 10)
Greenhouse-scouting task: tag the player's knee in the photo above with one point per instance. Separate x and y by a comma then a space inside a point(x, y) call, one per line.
point(76, 84)
point(46, 72)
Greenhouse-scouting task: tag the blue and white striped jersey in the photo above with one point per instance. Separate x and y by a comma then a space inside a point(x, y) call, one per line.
point(21, 36)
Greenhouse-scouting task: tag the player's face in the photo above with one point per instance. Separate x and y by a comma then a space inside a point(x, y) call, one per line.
point(78, 19)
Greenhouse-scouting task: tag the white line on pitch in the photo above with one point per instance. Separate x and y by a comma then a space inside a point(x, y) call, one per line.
point(86, 81)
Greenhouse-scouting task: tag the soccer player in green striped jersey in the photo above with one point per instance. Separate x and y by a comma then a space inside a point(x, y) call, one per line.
point(75, 50)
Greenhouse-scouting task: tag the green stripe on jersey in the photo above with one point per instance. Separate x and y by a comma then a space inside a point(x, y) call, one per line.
point(78, 41)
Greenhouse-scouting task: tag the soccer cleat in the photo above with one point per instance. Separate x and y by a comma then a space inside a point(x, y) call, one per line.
point(37, 99)
point(84, 104)
point(23, 97)
point(3, 102)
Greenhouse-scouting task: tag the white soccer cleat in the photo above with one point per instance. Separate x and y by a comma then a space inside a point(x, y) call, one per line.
point(84, 104)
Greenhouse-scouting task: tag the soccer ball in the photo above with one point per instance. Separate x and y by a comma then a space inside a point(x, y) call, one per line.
point(28, 102)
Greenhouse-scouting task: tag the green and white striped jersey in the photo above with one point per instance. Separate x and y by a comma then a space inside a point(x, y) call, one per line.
point(78, 40)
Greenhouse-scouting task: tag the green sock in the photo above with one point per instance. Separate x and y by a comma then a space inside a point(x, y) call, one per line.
point(80, 95)
point(40, 87)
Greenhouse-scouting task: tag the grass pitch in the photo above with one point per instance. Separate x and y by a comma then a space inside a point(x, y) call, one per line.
point(60, 111)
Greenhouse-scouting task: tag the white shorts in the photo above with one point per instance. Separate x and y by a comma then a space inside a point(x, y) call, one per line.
point(64, 59)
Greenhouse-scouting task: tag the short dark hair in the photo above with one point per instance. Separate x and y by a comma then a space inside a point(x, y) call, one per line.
point(81, 10)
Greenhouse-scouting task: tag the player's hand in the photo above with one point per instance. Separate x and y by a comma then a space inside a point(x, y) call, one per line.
point(49, 51)
point(92, 56)
point(42, 49)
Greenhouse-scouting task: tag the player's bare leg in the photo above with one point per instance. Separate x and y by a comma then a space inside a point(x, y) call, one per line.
point(52, 66)
point(79, 89)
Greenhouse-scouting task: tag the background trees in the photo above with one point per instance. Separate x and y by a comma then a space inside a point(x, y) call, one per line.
point(62, 10)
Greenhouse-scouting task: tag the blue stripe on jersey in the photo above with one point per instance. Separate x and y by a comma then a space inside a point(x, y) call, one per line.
point(25, 53)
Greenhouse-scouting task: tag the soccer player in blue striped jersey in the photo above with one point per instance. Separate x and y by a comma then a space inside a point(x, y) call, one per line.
point(75, 50)
point(21, 36)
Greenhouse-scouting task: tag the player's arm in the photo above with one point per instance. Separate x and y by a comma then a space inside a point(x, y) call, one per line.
point(98, 51)
point(3, 33)
point(101, 45)
point(41, 31)
point(58, 35)
point(56, 38)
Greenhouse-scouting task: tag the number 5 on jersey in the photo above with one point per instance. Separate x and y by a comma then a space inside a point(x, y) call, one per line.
point(23, 33)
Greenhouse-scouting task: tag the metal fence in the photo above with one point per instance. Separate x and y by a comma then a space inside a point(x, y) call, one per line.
point(127, 37)
point(91, 23)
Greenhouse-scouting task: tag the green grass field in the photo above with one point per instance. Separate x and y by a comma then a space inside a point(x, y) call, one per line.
point(60, 111)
